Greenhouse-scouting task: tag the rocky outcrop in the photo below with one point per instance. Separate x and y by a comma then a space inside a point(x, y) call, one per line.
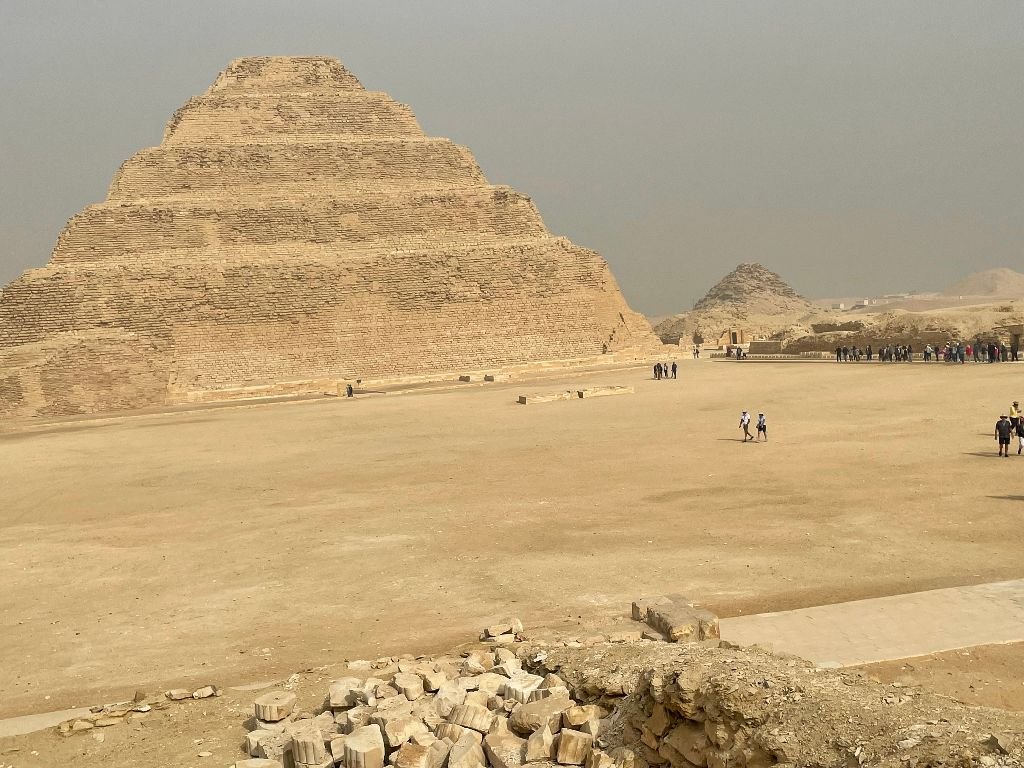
point(293, 228)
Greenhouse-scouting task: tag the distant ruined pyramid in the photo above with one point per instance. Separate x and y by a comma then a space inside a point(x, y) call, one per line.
point(1001, 283)
point(750, 298)
point(295, 230)
point(752, 289)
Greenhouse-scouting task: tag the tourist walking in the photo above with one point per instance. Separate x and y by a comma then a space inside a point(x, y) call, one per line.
point(1002, 435)
point(762, 427)
point(745, 426)
point(674, 369)
point(657, 371)
point(1015, 414)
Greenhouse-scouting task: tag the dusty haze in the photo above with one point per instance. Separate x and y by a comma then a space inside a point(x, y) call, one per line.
point(852, 147)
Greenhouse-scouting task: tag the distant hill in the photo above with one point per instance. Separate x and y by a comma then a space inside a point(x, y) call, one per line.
point(991, 282)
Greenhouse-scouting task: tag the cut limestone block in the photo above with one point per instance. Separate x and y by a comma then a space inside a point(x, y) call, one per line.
point(253, 739)
point(547, 397)
point(337, 748)
point(504, 749)
point(575, 717)
point(472, 716)
point(603, 391)
point(409, 684)
point(491, 683)
point(438, 755)
point(450, 731)
point(599, 759)
point(364, 748)
point(479, 698)
point(519, 687)
point(258, 762)
point(400, 730)
point(308, 745)
point(497, 377)
point(642, 605)
point(278, 747)
point(412, 756)
point(432, 681)
point(536, 714)
point(467, 753)
point(274, 706)
point(681, 622)
point(470, 377)
point(346, 692)
point(540, 745)
point(542, 693)
point(573, 747)
point(510, 668)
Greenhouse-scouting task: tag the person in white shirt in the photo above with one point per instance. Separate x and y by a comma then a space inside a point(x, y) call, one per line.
point(745, 426)
point(762, 427)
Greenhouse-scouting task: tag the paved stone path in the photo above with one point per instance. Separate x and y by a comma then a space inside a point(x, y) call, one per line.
point(885, 628)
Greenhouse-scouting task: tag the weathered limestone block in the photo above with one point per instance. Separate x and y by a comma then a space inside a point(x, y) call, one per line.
point(575, 717)
point(573, 747)
point(400, 730)
point(253, 739)
point(680, 621)
point(546, 397)
point(535, 715)
point(452, 731)
point(409, 684)
point(364, 748)
point(274, 706)
point(412, 756)
point(504, 749)
point(520, 686)
point(491, 683)
point(433, 680)
point(467, 753)
point(258, 762)
point(540, 745)
point(599, 759)
point(346, 692)
point(308, 745)
point(603, 391)
point(472, 716)
point(353, 718)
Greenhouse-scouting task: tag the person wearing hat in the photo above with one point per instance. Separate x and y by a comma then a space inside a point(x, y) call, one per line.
point(745, 426)
point(1002, 435)
point(1015, 414)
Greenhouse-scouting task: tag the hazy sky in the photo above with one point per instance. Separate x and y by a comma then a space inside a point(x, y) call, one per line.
point(855, 147)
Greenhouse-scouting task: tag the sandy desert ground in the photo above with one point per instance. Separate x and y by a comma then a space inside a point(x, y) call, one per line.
point(234, 545)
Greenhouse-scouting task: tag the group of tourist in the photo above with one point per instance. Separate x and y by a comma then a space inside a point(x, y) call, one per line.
point(951, 352)
point(665, 371)
point(762, 427)
point(1007, 427)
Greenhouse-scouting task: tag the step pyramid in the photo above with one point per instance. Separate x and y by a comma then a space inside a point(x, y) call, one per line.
point(296, 230)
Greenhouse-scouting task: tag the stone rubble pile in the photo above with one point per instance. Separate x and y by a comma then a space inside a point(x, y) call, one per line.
point(107, 715)
point(478, 710)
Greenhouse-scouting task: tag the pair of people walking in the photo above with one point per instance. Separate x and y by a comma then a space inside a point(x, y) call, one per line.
point(762, 427)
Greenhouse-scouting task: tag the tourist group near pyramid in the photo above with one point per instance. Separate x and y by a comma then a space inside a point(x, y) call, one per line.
point(294, 230)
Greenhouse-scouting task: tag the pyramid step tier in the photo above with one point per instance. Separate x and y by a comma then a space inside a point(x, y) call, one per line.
point(294, 169)
point(246, 118)
point(271, 74)
point(341, 224)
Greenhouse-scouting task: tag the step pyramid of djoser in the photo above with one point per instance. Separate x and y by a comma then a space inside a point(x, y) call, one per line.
point(207, 229)
point(247, 117)
point(359, 297)
point(286, 169)
point(294, 227)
